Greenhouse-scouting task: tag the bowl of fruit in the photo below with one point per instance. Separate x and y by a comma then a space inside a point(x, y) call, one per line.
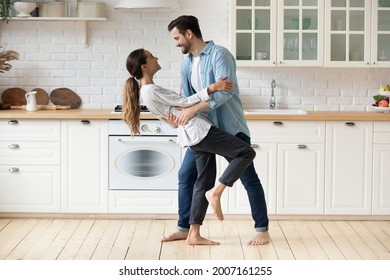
point(382, 100)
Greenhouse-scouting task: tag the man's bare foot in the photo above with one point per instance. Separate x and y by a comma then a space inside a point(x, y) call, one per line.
point(177, 235)
point(215, 203)
point(198, 240)
point(260, 238)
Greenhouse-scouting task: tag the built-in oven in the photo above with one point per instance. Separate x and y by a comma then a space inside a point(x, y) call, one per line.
point(149, 161)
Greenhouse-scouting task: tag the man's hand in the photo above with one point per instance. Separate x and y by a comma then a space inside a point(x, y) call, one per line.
point(171, 120)
point(185, 115)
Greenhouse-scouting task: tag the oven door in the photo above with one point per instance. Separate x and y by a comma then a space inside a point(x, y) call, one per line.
point(143, 163)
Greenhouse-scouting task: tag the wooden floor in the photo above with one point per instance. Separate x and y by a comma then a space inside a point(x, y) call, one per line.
point(120, 239)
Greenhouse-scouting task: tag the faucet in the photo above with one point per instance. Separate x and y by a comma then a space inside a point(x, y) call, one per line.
point(272, 100)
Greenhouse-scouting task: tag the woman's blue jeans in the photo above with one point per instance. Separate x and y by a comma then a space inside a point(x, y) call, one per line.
point(187, 177)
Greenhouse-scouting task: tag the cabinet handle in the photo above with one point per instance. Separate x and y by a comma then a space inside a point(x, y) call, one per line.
point(13, 122)
point(14, 170)
point(350, 124)
point(277, 123)
point(85, 122)
point(13, 146)
point(301, 147)
point(255, 146)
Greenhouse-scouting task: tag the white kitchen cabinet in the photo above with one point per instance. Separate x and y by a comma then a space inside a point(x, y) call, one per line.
point(300, 186)
point(381, 168)
point(357, 33)
point(285, 152)
point(265, 165)
point(348, 174)
point(29, 166)
point(283, 33)
point(84, 166)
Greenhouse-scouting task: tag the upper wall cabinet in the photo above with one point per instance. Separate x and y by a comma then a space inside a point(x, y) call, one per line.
point(347, 32)
point(331, 33)
point(283, 32)
point(357, 33)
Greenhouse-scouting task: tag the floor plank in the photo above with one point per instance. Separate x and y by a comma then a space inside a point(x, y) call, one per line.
point(76, 240)
point(120, 239)
point(341, 241)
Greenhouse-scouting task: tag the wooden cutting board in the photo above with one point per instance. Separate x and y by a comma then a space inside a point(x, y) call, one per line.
point(65, 97)
point(42, 96)
point(14, 96)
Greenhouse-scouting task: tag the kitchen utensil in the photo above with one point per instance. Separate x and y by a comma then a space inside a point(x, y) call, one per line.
point(5, 106)
point(24, 9)
point(31, 101)
point(52, 9)
point(14, 96)
point(91, 10)
point(66, 97)
point(43, 107)
point(42, 96)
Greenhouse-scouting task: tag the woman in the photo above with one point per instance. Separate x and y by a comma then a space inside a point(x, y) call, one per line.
point(203, 138)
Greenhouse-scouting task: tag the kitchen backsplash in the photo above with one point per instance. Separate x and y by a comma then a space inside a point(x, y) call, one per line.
point(53, 55)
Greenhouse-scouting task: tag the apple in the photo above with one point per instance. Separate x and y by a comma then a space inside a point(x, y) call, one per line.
point(383, 103)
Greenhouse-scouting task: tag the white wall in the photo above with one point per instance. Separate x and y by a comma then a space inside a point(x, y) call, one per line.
point(53, 55)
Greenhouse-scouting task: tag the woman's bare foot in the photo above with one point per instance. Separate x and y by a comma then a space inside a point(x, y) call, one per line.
point(215, 203)
point(199, 240)
point(177, 235)
point(260, 238)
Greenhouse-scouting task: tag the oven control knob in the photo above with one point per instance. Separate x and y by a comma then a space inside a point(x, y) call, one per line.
point(157, 129)
point(144, 127)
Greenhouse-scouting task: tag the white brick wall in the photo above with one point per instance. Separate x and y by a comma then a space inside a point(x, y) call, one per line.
point(53, 55)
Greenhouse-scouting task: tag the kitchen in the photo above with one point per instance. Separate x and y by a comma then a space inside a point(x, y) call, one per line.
point(54, 55)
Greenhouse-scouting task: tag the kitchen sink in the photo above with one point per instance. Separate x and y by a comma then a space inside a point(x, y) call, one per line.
point(274, 112)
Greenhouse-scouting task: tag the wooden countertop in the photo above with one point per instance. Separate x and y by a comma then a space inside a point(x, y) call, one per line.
point(105, 114)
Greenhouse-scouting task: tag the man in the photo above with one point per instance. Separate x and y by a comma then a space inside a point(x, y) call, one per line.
point(205, 64)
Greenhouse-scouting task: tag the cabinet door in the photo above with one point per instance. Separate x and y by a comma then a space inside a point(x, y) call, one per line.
point(253, 32)
point(265, 165)
point(348, 33)
point(381, 180)
point(300, 32)
point(29, 189)
point(348, 167)
point(84, 162)
point(300, 180)
point(380, 42)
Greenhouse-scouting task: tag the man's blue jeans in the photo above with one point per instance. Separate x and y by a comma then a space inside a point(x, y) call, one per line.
point(250, 180)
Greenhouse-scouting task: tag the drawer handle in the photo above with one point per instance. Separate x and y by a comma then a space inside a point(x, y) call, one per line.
point(302, 147)
point(85, 122)
point(255, 146)
point(14, 146)
point(350, 124)
point(13, 122)
point(277, 123)
point(14, 170)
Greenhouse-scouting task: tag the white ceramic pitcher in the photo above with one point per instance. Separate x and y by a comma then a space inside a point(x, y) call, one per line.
point(31, 101)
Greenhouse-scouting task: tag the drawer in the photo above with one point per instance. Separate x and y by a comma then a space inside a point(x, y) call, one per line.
point(287, 131)
point(30, 130)
point(143, 201)
point(30, 153)
point(381, 126)
point(381, 132)
point(31, 189)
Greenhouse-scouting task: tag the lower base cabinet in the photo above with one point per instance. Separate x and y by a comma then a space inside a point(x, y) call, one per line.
point(84, 166)
point(30, 189)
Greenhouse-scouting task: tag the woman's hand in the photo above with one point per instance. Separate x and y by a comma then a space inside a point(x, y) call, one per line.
point(221, 85)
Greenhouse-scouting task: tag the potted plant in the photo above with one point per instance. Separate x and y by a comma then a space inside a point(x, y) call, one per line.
point(6, 56)
point(5, 9)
